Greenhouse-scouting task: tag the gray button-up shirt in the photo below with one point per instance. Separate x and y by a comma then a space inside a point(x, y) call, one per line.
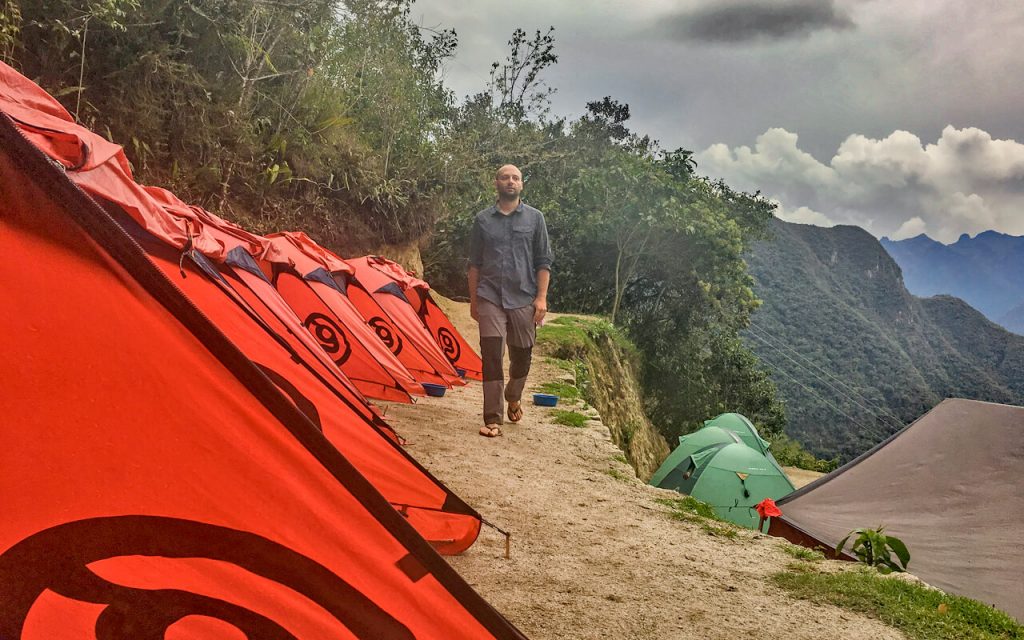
point(509, 250)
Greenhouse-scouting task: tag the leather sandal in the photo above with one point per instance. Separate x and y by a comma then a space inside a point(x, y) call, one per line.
point(490, 431)
point(515, 413)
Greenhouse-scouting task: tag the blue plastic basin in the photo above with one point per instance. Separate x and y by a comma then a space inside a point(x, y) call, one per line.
point(545, 400)
point(435, 390)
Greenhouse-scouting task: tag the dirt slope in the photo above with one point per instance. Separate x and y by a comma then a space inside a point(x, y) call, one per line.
point(593, 555)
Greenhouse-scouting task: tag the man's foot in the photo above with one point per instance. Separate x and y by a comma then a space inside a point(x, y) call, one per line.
point(515, 411)
point(490, 431)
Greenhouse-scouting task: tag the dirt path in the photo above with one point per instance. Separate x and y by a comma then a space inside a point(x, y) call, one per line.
point(593, 554)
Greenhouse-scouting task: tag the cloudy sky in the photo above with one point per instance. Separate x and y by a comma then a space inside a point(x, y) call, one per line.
point(900, 116)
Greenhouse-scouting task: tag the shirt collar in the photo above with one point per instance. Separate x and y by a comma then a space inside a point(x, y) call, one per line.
point(518, 209)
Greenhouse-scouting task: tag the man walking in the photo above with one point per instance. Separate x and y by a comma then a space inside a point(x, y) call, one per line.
point(509, 271)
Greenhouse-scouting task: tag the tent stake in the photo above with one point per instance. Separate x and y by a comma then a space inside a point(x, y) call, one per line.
point(508, 536)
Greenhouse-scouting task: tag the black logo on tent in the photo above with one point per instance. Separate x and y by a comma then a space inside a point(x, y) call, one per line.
point(387, 334)
point(449, 344)
point(330, 336)
point(58, 560)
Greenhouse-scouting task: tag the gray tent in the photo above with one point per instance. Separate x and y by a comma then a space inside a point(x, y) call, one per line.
point(950, 485)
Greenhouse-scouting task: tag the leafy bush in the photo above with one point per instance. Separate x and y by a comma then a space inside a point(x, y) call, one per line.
point(790, 453)
point(875, 549)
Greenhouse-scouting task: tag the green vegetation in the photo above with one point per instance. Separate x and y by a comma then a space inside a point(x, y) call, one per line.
point(803, 553)
point(332, 116)
point(855, 356)
point(917, 611)
point(690, 509)
point(875, 549)
point(570, 418)
point(618, 475)
point(566, 391)
point(790, 453)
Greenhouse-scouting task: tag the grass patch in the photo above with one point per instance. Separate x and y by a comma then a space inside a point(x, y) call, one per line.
point(618, 475)
point(803, 553)
point(620, 458)
point(570, 418)
point(566, 391)
point(564, 338)
point(918, 612)
point(690, 509)
point(562, 363)
point(569, 337)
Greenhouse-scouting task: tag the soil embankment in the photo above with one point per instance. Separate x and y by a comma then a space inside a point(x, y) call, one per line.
point(593, 553)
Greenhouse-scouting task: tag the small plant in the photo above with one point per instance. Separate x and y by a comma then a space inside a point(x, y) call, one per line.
point(618, 475)
point(570, 418)
point(875, 549)
point(803, 553)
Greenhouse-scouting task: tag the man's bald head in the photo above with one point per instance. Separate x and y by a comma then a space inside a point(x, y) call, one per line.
point(508, 181)
point(508, 168)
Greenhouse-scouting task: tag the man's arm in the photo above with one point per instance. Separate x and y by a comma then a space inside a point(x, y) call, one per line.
point(476, 258)
point(474, 280)
point(540, 303)
point(542, 258)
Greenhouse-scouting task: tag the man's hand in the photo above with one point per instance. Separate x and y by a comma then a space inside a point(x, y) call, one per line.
point(540, 308)
point(473, 311)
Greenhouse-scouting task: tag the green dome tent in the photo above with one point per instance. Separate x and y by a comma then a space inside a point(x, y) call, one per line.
point(732, 478)
point(728, 465)
point(689, 445)
point(742, 427)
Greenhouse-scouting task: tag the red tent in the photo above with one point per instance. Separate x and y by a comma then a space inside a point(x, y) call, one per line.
point(417, 292)
point(155, 483)
point(312, 292)
point(393, 324)
point(236, 296)
point(379, 292)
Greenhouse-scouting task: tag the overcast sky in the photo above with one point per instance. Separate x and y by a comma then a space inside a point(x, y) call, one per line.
point(900, 116)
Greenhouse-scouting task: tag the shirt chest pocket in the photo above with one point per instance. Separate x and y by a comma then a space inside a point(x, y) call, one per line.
point(523, 230)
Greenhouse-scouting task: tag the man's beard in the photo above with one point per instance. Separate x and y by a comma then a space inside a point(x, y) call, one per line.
point(508, 197)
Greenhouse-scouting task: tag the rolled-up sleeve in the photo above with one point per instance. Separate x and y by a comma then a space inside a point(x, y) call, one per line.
point(542, 255)
point(476, 244)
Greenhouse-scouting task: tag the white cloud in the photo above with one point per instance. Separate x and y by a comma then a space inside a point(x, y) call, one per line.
point(910, 229)
point(802, 215)
point(965, 182)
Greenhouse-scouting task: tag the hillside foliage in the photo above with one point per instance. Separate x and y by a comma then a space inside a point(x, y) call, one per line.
point(332, 116)
point(855, 355)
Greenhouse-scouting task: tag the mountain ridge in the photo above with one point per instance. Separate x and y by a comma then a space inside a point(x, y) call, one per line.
point(983, 271)
point(854, 354)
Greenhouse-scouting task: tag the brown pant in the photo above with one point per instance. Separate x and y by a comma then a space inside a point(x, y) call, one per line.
point(498, 325)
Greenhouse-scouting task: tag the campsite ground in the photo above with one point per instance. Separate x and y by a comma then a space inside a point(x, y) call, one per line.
point(593, 552)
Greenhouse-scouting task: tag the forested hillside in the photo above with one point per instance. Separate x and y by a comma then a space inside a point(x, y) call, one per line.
point(854, 354)
point(332, 116)
point(985, 271)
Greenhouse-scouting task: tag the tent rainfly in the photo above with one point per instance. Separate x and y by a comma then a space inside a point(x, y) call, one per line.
point(948, 485)
point(156, 483)
point(211, 270)
point(417, 293)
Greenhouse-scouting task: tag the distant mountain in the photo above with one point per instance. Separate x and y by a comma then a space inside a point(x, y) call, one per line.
point(853, 353)
point(987, 271)
point(1013, 319)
